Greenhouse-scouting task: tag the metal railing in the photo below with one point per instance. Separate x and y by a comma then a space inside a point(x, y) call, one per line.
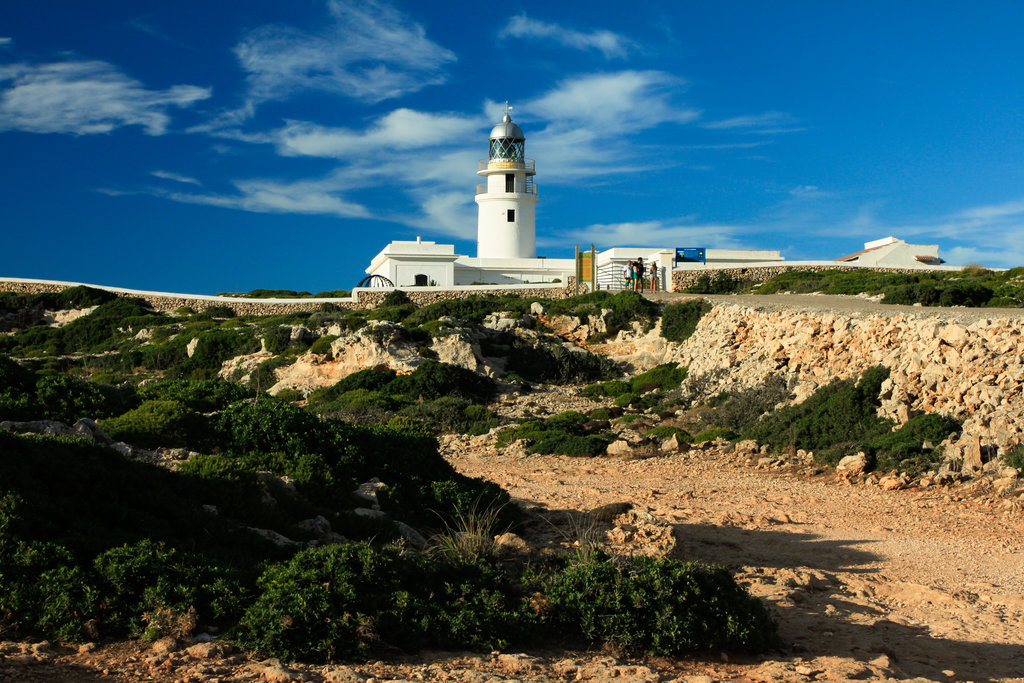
point(511, 164)
point(531, 188)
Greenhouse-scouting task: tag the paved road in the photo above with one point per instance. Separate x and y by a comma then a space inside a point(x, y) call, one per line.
point(843, 304)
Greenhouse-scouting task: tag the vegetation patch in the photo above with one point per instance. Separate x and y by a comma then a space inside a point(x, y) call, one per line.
point(565, 433)
point(679, 321)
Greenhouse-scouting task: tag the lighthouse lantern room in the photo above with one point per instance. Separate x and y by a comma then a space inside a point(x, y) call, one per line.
point(506, 223)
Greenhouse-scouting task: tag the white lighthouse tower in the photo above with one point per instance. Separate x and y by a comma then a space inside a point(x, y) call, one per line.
point(506, 222)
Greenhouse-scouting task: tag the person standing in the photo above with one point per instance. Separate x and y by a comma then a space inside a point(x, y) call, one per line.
point(638, 281)
point(654, 276)
point(627, 275)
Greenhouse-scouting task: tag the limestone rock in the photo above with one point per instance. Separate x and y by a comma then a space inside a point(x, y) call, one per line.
point(619, 447)
point(853, 464)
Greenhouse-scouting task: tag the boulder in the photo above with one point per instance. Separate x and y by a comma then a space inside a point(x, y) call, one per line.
point(619, 447)
point(853, 464)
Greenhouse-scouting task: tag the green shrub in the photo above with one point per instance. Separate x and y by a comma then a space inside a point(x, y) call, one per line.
point(219, 311)
point(739, 410)
point(1014, 457)
point(202, 396)
point(323, 344)
point(451, 414)
point(679, 321)
point(721, 283)
point(716, 433)
point(600, 414)
point(660, 607)
point(834, 422)
point(565, 433)
point(159, 423)
point(904, 448)
point(666, 376)
point(396, 297)
point(291, 395)
point(212, 349)
point(348, 601)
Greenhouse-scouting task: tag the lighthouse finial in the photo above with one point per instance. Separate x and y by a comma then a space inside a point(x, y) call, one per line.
point(508, 108)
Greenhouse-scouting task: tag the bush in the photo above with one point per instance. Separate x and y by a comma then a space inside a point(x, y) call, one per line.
point(660, 607)
point(159, 423)
point(716, 433)
point(323, 344)
point(67, 398)
point(721, 283)
point(396, 297)
point(739, 410)
point(834, 422)
point(1014, 457)
point(565, 433)
point(679, 321)
point(219, 311)
point(904, 448)
point(202, 396)
point(212, 349)
point(346, 601)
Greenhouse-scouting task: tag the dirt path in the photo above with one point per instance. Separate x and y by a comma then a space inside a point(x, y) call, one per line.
point(842, 304)
point(867, 584)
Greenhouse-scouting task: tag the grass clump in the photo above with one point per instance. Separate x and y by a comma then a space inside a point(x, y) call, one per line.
point(668, 431)
point(158, 423)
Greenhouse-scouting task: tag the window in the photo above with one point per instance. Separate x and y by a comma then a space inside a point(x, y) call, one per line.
point(511, 215)
point(510, 182)
point(421, 280)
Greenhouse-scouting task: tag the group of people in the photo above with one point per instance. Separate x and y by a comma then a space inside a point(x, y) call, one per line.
point(636, 275)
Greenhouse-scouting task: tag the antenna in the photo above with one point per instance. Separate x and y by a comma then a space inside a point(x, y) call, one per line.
point(508, 108)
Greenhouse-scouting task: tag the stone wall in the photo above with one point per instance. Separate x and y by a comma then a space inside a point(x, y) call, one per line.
point(362, 299)
point(938, 364)
point(681, 279)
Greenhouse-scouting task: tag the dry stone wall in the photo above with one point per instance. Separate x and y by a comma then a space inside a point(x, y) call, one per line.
point(362, 299)
point(681, 279)
point(971, 371)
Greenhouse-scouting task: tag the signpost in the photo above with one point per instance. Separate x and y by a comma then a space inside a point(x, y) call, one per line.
point(690, 255)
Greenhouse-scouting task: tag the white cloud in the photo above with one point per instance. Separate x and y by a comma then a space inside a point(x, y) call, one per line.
point(6, 42)
point(773, 121)
point(401, 129)
point(809, 192)
point(608, 43)
point(85, 97)
point(368, 51)
point(168, 175)
point(267, 196)
point(608, 103)
point(591, 117)
point(656, 234)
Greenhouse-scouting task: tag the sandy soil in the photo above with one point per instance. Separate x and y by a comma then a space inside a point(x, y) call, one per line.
point(866, 583)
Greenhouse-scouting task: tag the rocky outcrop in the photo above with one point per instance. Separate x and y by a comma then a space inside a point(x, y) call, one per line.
point(971, 371)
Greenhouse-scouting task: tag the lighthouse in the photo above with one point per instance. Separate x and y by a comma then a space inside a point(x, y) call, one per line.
point(507, 201)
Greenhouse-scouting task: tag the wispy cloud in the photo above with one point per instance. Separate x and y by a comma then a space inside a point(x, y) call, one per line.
point(368, 51)
point(590, 118)
point(609, 44)
point(401, 129)
point(269, 196)
point(168, 175)
point(658, 233)
point(5, 42)
point(85, 97)
point(768, 122)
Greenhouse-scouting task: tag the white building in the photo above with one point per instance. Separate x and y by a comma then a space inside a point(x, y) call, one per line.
point(893, 252)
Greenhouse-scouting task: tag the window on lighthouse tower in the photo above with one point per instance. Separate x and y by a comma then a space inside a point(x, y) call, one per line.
point(511, 215)
point(510, 182)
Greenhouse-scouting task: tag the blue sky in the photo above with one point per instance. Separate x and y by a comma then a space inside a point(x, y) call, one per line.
point(207, 147)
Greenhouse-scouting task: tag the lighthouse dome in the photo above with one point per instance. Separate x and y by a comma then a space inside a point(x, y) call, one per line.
point(506, 129)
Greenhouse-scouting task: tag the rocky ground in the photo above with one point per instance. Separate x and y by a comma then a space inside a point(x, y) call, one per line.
point(867, 583)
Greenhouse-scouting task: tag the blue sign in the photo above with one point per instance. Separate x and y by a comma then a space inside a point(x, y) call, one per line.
point(690, 255)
